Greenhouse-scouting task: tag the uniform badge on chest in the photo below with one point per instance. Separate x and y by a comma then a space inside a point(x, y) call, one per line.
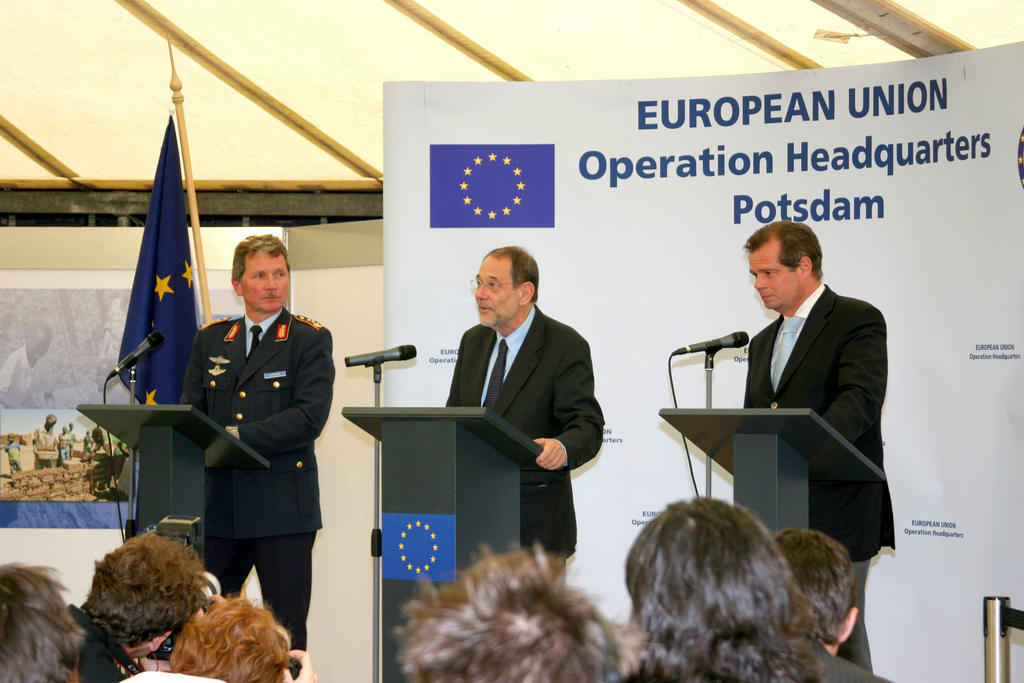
point(217, 362)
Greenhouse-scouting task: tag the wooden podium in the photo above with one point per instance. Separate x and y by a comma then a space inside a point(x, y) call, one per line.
point(772, 454)
point(458, 463)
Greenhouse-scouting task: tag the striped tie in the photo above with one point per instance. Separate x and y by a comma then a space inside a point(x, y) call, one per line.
point(497, 376)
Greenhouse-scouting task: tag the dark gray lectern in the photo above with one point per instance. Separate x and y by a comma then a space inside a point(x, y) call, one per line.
point(175, 443)
point(447, 461)
point(772, 454)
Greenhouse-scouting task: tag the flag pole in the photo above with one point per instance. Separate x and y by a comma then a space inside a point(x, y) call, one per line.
point(190, 186)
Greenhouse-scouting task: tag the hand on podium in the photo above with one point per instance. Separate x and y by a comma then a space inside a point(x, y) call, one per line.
point(553, 457)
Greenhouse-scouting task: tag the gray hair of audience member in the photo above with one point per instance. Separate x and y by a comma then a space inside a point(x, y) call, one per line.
point(823, 572)
point(715, 597)
point(512, 617)
point(39, 639)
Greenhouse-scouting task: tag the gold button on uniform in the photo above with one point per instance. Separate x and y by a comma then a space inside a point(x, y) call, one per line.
point(298, 465)
point(277, 385)
point(213, 383)
point(774, 405)
point(238, 416)
point(241, 394)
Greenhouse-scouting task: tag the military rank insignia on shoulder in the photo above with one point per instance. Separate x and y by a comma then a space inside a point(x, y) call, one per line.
point(218, 321)
point(309, 321)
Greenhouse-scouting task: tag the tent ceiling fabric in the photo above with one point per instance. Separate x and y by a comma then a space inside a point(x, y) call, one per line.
point(290, 94)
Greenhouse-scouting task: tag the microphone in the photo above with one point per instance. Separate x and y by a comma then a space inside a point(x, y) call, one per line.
point(730, 341)
point(404, 352)
point(152, 340)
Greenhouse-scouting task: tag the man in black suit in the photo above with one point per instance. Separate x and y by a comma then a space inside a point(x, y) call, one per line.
point(268, 379)
point(827, 353)
point(536, 373)
point(823, 573)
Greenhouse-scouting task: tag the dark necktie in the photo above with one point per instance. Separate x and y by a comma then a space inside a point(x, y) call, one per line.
point(497, 376)
point(256, 330)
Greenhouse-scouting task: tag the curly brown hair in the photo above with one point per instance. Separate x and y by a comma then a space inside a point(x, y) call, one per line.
point(145, 588)
point(234, 641)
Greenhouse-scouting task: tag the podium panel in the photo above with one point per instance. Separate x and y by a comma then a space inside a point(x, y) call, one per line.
point(461, 464)
point(175, 443)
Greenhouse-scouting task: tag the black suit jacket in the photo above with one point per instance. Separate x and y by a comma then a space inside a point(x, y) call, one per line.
point(280, 400)
point(548, 392)
point(839, 670)
point(838, 368)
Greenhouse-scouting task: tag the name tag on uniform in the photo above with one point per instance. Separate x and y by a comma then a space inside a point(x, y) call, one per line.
point(274, 375)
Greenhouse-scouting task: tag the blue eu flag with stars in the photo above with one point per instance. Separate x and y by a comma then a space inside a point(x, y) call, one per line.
point(418, 546)
point(162, 295)
point(492, 186)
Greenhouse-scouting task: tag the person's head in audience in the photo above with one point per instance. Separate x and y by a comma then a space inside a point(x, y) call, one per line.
point(145, 590)
point(512, 617)
point(38, 638)
point(823, 572)
point(714, 595)
point(235, 642)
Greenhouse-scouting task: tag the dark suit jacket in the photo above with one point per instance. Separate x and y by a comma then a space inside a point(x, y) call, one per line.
point(838, 368)
point(548, 392)
point(280, 400)
point(839, 670)
point(100, 659)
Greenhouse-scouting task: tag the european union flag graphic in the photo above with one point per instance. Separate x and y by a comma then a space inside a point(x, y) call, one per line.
point(418, 546)
point(492, 186)
point(162, 294)
point(1020, 156)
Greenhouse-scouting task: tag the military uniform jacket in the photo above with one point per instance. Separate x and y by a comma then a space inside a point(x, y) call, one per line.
point(838, 368)
point(280, 400)
point(548, 393)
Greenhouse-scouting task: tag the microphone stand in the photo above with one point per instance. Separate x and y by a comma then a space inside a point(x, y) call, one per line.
point(376, 542)
point(130, 522)
point(709, 369)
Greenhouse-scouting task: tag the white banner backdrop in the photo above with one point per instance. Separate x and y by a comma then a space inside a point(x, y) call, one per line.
point(910, 175)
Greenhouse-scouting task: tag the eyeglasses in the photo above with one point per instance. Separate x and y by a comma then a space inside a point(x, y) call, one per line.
point(491, 285)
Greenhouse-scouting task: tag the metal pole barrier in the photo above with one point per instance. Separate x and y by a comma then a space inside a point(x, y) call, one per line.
point(997, 645)
point(997, 619)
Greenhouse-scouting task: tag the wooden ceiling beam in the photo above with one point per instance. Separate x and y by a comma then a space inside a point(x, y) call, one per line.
point(751, 34)
point(165, 28)
point(897, 26)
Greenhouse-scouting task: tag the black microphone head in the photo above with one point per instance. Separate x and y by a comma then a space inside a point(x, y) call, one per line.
point(737, 339)
point(407, 351)
point(155, 338)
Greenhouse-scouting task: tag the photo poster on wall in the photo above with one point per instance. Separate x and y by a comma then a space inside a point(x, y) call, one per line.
point(56, 348)
point(911, 175)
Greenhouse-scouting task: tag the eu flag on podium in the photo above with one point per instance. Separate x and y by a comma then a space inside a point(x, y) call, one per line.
point(162, 294)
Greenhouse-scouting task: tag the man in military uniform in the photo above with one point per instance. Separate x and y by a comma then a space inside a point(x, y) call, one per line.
point(267, 378)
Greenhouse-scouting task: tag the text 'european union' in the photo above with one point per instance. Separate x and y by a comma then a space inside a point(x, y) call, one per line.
point(418, 546)
point(492, 186)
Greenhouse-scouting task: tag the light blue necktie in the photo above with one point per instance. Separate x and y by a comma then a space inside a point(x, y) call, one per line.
point(784, 347)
